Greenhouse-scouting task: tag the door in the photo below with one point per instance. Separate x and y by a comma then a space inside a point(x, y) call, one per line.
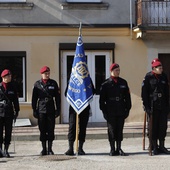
point(98, 64)
point(165, 59)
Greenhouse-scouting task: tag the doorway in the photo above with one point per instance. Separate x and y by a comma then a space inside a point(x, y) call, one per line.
point(165, 60)
point(98, 65)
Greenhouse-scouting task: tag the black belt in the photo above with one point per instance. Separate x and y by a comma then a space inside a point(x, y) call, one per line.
point(159, 95)
point(115, 99)
point(46, 99)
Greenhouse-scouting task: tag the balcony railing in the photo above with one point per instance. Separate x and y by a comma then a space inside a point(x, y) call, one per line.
point(153, 13)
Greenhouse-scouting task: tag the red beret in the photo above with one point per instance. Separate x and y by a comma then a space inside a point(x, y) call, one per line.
point(156, 64)
point(44, 69)
point(5, 73)
point(154, 60)
point(113, 66)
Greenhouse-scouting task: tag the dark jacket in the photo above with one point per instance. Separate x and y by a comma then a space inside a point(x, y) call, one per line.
point(8, 100)
point(155, 89)
point(115, 98)
point(43, 97)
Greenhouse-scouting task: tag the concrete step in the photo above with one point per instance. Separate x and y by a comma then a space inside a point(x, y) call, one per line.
point(94, 131)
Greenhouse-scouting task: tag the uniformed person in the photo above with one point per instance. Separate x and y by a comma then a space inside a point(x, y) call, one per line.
point(83, 121)
point(9, 109)
point(115, 103)
point(46, 107)
point(155, 97)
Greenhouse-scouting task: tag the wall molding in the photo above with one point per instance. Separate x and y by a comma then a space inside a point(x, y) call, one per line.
point(16, 6)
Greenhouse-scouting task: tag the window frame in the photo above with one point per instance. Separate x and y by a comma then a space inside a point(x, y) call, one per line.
point(23, 99)
point(12, 1)
point(22, 55)
point(84, 1)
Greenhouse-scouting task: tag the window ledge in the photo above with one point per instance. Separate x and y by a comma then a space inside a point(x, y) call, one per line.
point(25, 103)
point(84, 6)
point(16, 5)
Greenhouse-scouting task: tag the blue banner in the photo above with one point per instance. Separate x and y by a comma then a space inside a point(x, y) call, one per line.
point(79, 93)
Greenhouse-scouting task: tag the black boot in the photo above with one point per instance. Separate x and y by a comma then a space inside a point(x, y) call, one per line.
point(1, 153)
point(50, 152)
point(70, 151)
point(112, 150)
point(80, 150)
point(155, 147)
point(119, 151)
point(162, 148)
point(44, 150)
point(6, 153)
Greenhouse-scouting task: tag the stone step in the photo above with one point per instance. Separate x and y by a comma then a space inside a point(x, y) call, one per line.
point(94, 131)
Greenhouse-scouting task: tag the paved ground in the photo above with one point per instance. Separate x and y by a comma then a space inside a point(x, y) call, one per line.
point(96, 158)
point(28, 147)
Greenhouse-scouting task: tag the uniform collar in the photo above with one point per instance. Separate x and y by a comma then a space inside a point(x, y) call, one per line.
point(156, 75)
point(5, 85)
point(45, 81)
point(115, 79)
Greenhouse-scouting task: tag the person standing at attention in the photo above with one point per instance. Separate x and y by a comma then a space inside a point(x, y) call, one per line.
point(115, 103)
point(9, 110)
point(155, 97)
point(46, 107)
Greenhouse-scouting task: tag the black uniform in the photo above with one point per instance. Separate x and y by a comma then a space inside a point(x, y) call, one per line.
point(155, 96)
point(83, 120)
point(115, 103)
point(45, 107)
point(9, 109)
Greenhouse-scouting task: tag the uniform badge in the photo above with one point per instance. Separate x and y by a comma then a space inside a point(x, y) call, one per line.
point(10, 92)
point(51, 87)
point(122, 86)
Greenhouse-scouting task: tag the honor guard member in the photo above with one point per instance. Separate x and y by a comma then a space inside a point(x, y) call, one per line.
point(155, 97)
point(83, 121)
point(115, 103)
point(9, 109)
point(45, 108)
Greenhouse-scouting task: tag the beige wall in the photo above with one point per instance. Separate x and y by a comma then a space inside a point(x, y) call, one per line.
point(131, 54)
point(42, 45)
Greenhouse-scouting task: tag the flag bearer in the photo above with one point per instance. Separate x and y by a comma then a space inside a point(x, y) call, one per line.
point(83, 121)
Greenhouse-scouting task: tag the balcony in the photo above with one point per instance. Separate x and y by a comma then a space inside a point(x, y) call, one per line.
point(153, 14)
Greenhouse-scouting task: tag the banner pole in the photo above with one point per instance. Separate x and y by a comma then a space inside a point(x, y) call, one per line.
point(80, 30)
point(144, 131)
point(77, 116)
point(14, 134)
point(77, 128)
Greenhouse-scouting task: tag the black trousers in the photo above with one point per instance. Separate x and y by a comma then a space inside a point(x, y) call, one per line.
point(115, 128)
point(159, 126)
point(83, 120)
point(46, 123)
point(6, 123)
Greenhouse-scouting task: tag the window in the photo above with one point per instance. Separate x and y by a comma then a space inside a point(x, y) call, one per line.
point(15, 62)
point(13, 0)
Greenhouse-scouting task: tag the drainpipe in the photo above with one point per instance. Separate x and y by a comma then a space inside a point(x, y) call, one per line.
point(131, 19)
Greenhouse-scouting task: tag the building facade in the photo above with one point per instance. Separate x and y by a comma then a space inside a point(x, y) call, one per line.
point(44, 32)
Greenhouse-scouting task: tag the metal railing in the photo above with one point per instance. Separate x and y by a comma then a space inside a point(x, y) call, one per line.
point(153, 12)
